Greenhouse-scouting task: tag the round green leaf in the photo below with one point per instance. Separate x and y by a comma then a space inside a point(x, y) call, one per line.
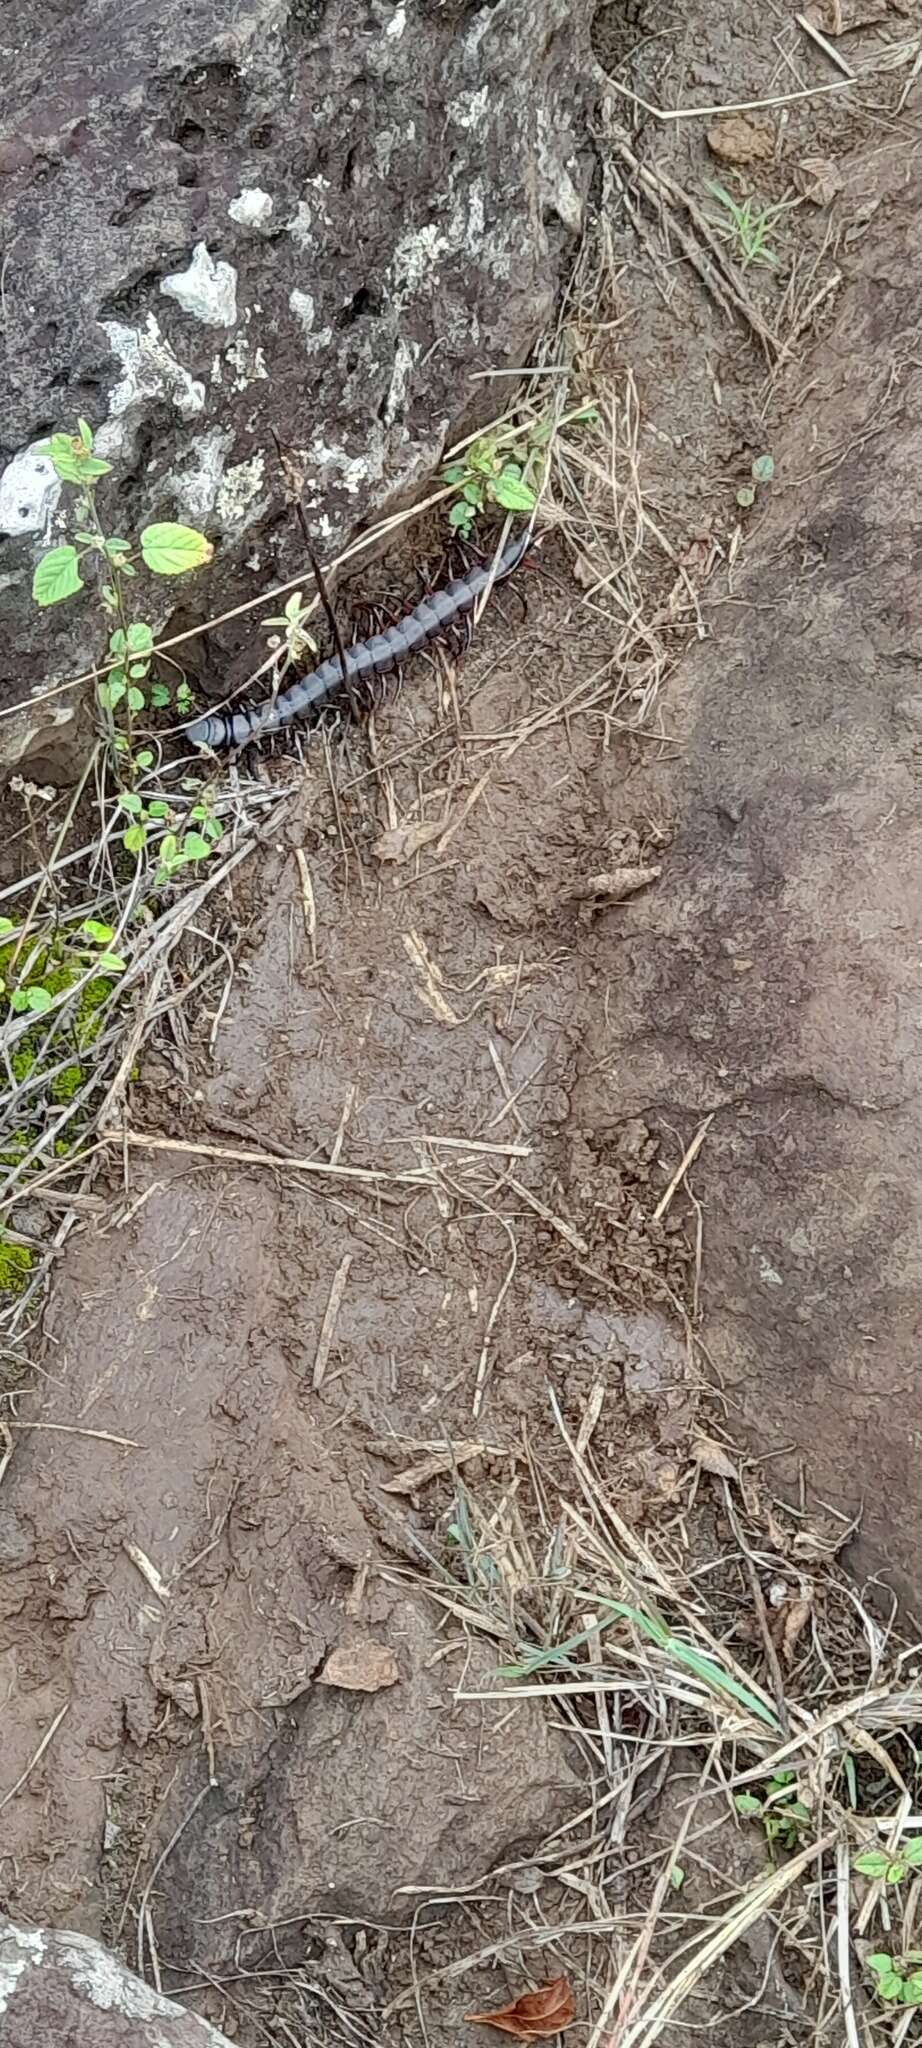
point(746, 495)
point(38, 999)
point(57, 575)
point(195, 847)
point(134, 839)
point(6, 925)
point(140, 638)
point(99, 933)
point(763, 469)
point(171, 550)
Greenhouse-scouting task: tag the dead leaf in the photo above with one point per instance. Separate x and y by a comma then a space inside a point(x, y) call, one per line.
point(820, 1536)
point(432, 1467)
point(836, 17)
point(796, 1617)
point(818, 179)
point(713, 1458)
point(363, 1665)
point(742, 139)
point(536, 2016)
point(614, 885)
point(400, 842)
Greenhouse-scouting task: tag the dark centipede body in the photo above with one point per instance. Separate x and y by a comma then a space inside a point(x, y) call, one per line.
point(365, 659)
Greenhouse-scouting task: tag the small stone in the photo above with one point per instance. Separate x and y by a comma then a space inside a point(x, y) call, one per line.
point(742, 138)
point(252, 208)
point(363, 1665)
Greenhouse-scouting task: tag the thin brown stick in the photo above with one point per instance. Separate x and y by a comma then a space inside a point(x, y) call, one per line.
point(328, 1326)
point(36, 1756)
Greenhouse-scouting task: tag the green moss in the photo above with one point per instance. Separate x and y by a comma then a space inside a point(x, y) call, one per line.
point(16, 1262)
point(55, 968)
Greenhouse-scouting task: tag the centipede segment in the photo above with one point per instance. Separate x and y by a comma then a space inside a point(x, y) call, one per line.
point(365, 660)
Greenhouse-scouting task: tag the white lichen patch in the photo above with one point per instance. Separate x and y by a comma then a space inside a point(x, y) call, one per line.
point(194, 483)
point(149, 370)
point(29, 492)
point(299, 227)
point(471, 109)
point(405, 357)
point(242, 498)
point(352, 473)
point(252, 208)
point(304, 310)
point(19, 1949)
point(207, 291)
point(246, 364)
point(416, 257)
point(397, 24)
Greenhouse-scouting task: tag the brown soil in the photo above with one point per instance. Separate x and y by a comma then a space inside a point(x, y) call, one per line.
point(277, 1347)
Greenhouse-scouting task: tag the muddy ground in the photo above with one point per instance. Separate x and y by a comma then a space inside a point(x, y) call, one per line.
point(419, 993)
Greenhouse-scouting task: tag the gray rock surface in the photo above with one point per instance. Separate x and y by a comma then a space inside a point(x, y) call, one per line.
point(66, 1989)
point(315, 216)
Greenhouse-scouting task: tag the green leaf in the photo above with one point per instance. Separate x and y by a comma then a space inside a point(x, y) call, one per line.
point(473, 492)
point(213, 828)
point(110, 694)
point(37, 999)
point(455, 473)
point(131, 802)
point(194, 847)
point(86, 435)
point(135, 839)
point(169, 847)
point(746, 495)
point(763, 469)
point(872, 1863)
point(138, 670)
point(911, 1852)
point(117, 641)
point(171, 550)
point(911, 1989)
point(99, 933)
point(136, 699)
point(158, 809)
point(6, 925)
point(144, 759)
point(140, 638)
point(108, 597)
point(747, 1803)
point(111, 962)
point(896, 1873)
point(677, 1877)
point(183, 698)
point(461, 517)
point(159, 696)
point(56, 576)
point(510, 492)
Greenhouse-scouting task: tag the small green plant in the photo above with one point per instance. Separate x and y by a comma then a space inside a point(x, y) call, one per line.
point(781, 1814)
point(166, 549)
point(493, 472)
point(292, 634)
point(890, 1983)
point(890, 1869)
point(748, 226)
point(762, 471)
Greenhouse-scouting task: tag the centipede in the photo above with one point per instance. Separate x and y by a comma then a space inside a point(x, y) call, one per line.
point(381, 654)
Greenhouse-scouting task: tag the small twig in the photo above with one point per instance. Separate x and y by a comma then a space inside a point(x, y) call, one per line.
point(829, 50)
point(328, 1326)
point(681, 1170)
point(102, 1436)
point(37, 1755)
point(308, 901)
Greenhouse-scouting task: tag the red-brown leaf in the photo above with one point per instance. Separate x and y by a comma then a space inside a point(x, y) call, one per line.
point(536, 2016)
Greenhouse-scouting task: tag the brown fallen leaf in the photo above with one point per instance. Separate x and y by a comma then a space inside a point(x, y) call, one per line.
point(742, 139)
point(713, 1458)
point(818, 179)
point(795, 1618)
point(536, 2016)
point(360, 1666)
point(400, 842)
